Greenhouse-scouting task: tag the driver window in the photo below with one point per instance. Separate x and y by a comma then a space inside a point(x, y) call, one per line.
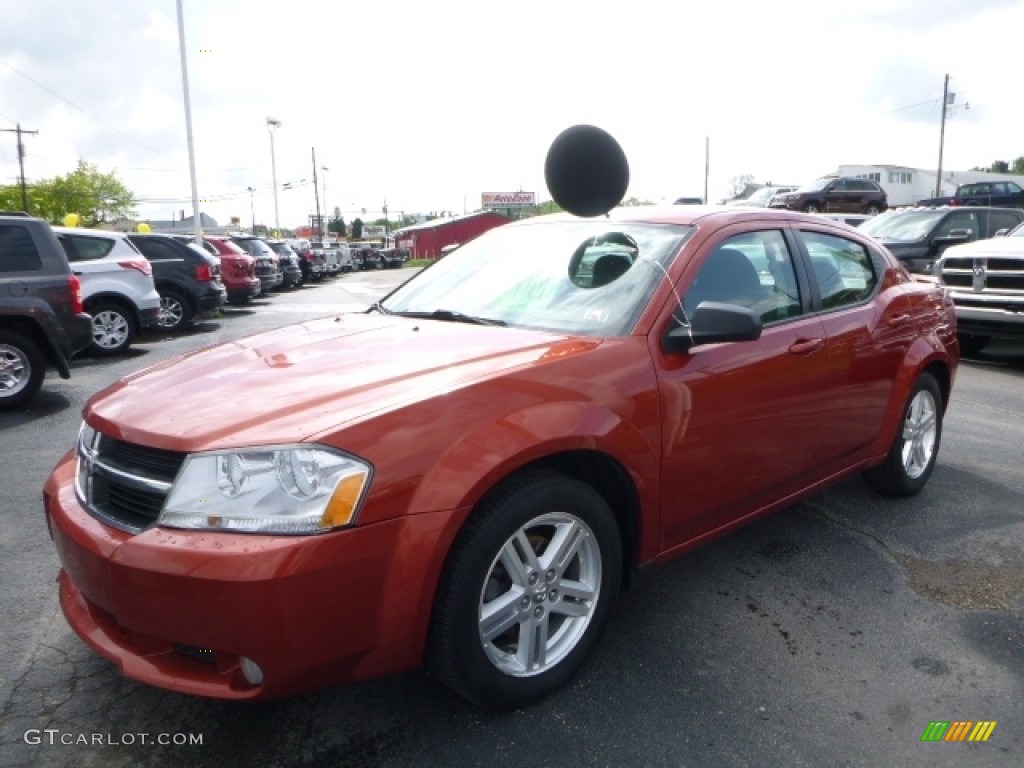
point(753, 270)
point(959, 220)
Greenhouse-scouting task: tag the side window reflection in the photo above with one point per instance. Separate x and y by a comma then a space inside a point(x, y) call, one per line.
point(842, 269)
point(753, 270)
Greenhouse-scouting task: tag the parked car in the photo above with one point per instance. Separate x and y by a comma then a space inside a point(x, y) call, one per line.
point(834, 195)
point(393, 258)
point(43, 322)
point(367, 255)
point(986, 281)
point(117, 286)
point(919, 236)
point(287, 262)
point(689, 201)
point(312, 263)
point(468, 473)
point(267, 269)
point(760, 198)
point(998, 194)
point(187, 279)
point(237, 269)
point(850, 219)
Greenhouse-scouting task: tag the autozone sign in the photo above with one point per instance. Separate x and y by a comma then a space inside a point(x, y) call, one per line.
point(508, 199)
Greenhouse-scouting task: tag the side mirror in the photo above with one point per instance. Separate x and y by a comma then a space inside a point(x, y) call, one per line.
point(1001, 232)
point(714, 322)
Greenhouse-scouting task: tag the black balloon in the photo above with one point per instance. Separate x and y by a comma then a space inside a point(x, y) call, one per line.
point(586, 171)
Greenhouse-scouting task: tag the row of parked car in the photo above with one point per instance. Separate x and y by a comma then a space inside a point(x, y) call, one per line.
point(66, 289)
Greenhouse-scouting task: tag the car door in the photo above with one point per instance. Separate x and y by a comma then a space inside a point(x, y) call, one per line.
point(740, 419)
point(837, 196)
point(867, 326)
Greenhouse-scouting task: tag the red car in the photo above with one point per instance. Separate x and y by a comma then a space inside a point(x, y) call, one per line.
point(237, 269)
point(468, 473)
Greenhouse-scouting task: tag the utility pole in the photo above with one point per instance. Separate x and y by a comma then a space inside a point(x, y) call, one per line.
point(316, 193)
point(942, 136)
point(21, 163)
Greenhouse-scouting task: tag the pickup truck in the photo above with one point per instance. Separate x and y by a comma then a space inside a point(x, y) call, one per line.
point(42, 320)
point(998, 194)
point(985, 279)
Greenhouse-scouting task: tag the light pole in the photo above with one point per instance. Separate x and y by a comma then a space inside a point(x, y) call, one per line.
point(271, 125)
point(252, 208)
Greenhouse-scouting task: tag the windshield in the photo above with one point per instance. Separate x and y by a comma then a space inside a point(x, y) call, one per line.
point(908, 227)
point(520, 276)
point(762, 195)
point(814, 186)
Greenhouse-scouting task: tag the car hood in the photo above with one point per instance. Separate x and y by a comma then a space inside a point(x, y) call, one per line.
point(303, 380)
point(996, 246)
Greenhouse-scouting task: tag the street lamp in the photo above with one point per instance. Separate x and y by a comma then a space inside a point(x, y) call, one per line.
point(252, 208)
point(271, 125)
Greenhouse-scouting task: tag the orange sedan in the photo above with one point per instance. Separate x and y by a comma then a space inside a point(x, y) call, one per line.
point(467, 474)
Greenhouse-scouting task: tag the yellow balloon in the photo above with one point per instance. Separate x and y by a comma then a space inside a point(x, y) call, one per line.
point(143, 227)
point(72, 220)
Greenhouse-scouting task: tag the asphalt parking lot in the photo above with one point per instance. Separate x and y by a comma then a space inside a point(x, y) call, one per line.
point(831, 634)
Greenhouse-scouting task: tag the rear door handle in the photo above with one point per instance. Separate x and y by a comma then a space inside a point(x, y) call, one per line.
point(898, 320)
point(806, 346)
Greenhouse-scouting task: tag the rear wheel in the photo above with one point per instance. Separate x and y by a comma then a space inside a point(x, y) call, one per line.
point(526, 592)
point(911, 458)
point(971, 344)
point(113, 329)
point(873, 209)
point(175, 312)
point(22, 369)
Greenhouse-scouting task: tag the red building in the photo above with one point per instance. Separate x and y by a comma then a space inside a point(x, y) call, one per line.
point(426, 240)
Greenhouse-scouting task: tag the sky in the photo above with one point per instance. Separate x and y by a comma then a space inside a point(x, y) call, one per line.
point(425, 106)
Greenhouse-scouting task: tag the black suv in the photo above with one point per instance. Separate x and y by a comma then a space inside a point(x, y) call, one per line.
point(1002, 194)
point(838, 195)
point(268, 269)
point(42, 321)
point(918, 236)
point(187, 279)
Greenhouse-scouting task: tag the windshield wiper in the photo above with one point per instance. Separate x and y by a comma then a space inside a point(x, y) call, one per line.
point(380, 308)
point(451, 315)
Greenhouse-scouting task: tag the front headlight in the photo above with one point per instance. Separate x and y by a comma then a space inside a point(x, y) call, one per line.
point(278, 489)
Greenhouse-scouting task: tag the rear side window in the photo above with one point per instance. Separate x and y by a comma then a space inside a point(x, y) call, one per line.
point(1002, 220)
point(18, 252)
point(842, 269)
point(155, 250)
point(87, 248)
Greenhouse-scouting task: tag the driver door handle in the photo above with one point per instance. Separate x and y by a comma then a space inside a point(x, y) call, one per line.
point(806, 346)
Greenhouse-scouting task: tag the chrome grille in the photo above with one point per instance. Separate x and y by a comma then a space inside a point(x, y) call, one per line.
point(980, 274)
point(124, 484)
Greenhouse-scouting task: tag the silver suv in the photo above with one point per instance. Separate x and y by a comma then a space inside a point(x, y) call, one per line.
point(117, 286)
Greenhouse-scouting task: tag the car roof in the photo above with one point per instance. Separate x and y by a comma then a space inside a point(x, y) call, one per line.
point(107, 233)
point(692, 215)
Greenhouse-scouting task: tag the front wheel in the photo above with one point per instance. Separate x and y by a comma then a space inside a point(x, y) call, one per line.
point(912, 456)
point(526, 592)
point(873, 210)
point(812, 208)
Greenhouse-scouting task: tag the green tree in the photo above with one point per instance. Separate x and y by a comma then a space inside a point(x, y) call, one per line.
point(549, 206)
point(1018, 165)
point(96, 197)
point(337, 227)
point(10, 198)
point(1000, 166)
point(357, 229)
point(635, 201)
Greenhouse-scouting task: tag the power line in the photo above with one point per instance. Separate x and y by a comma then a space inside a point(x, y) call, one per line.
point(83, 111)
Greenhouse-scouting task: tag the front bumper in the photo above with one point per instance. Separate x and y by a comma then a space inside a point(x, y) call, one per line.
point(1002, 319)
point(179, 609)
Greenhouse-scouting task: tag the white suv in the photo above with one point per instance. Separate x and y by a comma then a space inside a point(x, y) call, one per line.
point(117, 286)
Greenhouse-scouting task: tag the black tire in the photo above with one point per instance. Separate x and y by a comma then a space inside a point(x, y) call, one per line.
point(812, 208)
point(915, 448)
point(175, 310)
point(488, 566)
point(22, 369)
point(971, 344)
point(873, 209)
point(113, 329)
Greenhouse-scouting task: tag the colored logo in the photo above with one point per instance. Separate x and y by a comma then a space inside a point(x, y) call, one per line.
point(958, 730)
